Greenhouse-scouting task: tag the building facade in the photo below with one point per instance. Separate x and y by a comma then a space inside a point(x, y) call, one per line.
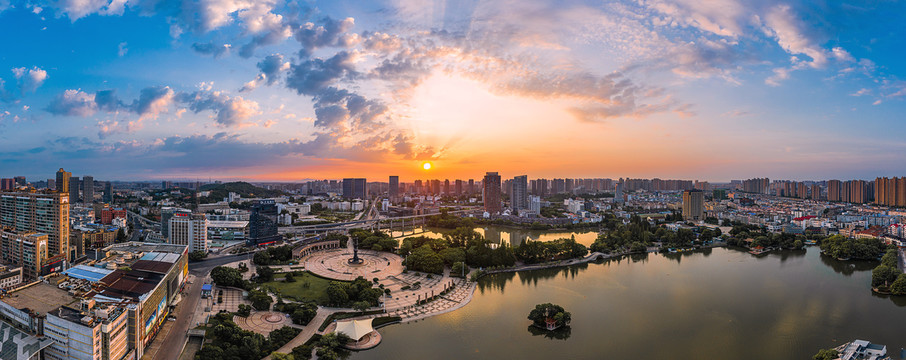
point(693, 205)
point(43, 212)
point(190, 230)
point(491, 193)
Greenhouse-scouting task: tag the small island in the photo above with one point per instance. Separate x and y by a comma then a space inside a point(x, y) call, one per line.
point(549, 317)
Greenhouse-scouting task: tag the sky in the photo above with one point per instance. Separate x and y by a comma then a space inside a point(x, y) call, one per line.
point(274, 90)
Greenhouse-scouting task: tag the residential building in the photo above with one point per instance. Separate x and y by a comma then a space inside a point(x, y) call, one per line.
point(354, 188)
point(108, 192)
point(491, 193)
point(519, 195)
point(62, 182)
point(44, 212)
point(190, 230)
point(693, 205)
point(88, 189)
point(394, 190)
point(26, 249)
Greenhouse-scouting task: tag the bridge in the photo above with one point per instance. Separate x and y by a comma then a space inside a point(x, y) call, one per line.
point(375, 223)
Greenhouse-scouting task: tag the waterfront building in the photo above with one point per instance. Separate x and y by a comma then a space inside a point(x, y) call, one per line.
point(519, 194)
point(693, 205)
point(491, 193)
point(863, 350)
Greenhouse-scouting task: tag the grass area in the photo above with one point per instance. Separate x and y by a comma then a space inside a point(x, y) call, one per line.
point(307, 287)
point(385, 320)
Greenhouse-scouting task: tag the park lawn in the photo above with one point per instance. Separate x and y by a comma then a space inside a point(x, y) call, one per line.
point(315, 291)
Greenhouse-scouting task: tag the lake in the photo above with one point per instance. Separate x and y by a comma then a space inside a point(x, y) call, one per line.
point(714, 304)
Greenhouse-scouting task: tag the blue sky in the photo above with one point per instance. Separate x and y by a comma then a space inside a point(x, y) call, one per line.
point(276, 90)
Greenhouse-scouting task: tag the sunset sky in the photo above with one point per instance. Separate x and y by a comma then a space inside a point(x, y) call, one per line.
point(274, 90)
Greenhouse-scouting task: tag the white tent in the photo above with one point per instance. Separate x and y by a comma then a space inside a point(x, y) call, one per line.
point(355, 329)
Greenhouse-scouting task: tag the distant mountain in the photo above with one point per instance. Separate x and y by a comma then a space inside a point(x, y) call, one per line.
point(244, 189)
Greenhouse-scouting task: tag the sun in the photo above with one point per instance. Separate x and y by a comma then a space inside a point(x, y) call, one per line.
point(426, 166)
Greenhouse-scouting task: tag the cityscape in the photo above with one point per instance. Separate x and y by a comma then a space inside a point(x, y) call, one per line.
point(288, 180)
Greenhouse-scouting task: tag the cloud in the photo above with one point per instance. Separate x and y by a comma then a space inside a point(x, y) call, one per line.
point(152, 101)
point(272, 68)
point(28, 80)
point(122, 50)
point(73, 103)
point(313, 75)
point(228, 111)
point(329, 33)
point(215, 50)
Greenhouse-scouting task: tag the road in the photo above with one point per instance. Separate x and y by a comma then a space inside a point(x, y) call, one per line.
point(173, 344)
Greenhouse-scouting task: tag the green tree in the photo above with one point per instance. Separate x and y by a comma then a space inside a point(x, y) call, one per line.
point(883, 275)
point(898, 287)
point(197, 255)
point(336, 293)
point(289, 277)
point(542, 312)
point(244, 310)
point(227, 276)
point(303, 314)
point(361, 305)
point(426, 260)
point(826, 354)
point(265, 274)
point(260, 300)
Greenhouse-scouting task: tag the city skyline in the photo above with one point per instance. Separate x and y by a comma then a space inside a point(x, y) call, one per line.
point(278, 91)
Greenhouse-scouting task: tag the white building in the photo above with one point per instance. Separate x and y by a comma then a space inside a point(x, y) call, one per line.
point(863, 350)
point(189, 229)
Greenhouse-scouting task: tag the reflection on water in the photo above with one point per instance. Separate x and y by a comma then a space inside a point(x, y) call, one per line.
point(715, 304)
point(507, 235)
point(559, 334)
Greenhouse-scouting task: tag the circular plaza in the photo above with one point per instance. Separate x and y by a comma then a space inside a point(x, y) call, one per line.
point(263, 322)
point(334, 264)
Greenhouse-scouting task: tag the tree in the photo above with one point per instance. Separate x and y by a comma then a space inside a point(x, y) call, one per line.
point(260, 300)
point(289, 278)
point(826, 354)
point(898, 287)
point(542, 312)
point(303, 314)
point(336, 293)
point(361, 305)
point(459, 269)
point(281, 336)
point(265, 274)
point(883, 275)
point(227, 276)
point(302, 352)
point(244, 310)
point(197, 255)
point(426, 260)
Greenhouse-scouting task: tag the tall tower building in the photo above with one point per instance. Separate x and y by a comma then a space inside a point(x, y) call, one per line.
point(108, 192)
point(74, 187)
point(189, 229)
point(62, 182)
point(471, 186)
point(354, 188)
point(834, 190)
point(394, 190)
point(46, 213)
point(693, 205)
point(457, 187)
point(519, 197)
point(88, 189)
point(491, 193)
point(263, 223)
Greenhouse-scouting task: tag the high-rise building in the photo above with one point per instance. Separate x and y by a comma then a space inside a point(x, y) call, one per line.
point(20, 181)
point(7, 184)
point(354, 188)
point(693, 205)
point(263, 223)
point(27, 249)
point(457, 187)
point(166, 213)
point(190, 230)
point(491, 193)
point(63, 181)
point(108, 192)
point(43, 212)
point(890, 191)
point(816, 192)
point(447, 187)
point(757, 185)
point(52, 184)
point(394, 190)
point(88, 189)
point(471, 186)
point(519, 196)
point(834, 188)
point(74, 190)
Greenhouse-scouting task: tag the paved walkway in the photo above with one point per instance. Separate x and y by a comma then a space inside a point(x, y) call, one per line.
point(307, 332)
point(263, 322)
point(334, 264)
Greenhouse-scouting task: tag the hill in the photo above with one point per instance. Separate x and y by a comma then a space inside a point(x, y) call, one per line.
point(244, 189)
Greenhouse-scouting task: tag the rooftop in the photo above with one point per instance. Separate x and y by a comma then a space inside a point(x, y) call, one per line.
point(40, 298)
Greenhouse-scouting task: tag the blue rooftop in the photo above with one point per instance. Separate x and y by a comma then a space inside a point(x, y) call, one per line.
point(89, 273)
point(206, 287)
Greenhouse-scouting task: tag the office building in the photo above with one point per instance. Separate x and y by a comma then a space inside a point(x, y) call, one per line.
point(457, 187)
point(394, 190)
point(263, 223)
point(519, 194)
point(74, 190)
point(20, 181)
point(471, 186)
point(62, 182)
point(190, 230)
point(7, 184)
point(693, 205)
point(108, 192)
point(88, 189)
point(43, 212)
point(354, 188)
point(491, 193)
point(165, 214)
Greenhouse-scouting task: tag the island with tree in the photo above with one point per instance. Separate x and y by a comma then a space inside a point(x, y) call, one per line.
point(550, 317)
